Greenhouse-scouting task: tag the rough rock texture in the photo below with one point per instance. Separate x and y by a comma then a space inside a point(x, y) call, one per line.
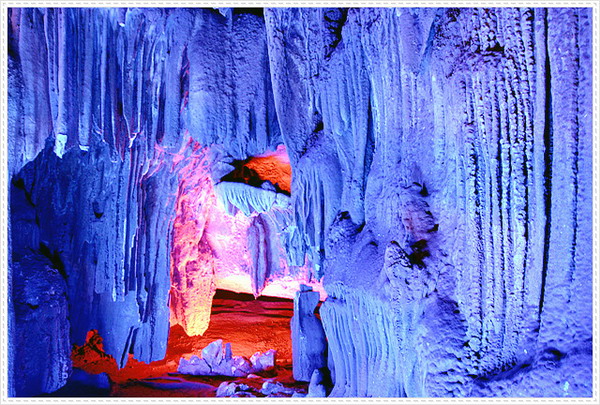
point(309, 345)
point(364, 361)
point(453, 134)
point(42, 362)
point(229, 91)
point(442, 180)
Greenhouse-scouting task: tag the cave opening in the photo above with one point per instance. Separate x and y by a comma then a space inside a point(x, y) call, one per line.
point(231, 287)
point(231, 279)
point(232, 232)
point(272, 167)
point(249, 324)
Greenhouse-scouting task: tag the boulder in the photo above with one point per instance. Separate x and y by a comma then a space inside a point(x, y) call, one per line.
point(213, 353)
point(231, 389)
point(270, 388)
point(219, 360)
point(263, 361)
point(195, 366)
point(241, 365)
point(226, 389)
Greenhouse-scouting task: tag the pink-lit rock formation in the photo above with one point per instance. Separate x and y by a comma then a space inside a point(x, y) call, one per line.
point(192, 257)
point(212, 248)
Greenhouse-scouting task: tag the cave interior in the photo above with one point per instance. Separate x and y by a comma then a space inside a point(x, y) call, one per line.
point(291, 202)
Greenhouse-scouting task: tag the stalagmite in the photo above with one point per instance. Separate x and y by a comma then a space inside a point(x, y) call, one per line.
point(309, 346)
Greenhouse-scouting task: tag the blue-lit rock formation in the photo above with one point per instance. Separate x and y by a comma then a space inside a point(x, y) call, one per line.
point(42, 326)
point(218, 360)
point(105, 224)
point(441, 188)
point(309, 344)
point(454, 208)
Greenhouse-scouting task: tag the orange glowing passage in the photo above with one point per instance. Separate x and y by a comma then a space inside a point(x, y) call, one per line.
point(272, 166)
point(250, 325)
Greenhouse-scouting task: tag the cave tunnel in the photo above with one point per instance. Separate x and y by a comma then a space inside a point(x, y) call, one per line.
point(300, 202)
point(249, 324)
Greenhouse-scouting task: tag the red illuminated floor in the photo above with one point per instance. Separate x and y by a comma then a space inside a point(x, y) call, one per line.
point(250, 325)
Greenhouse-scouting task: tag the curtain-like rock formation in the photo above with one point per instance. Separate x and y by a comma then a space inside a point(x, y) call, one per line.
point(455, 132)
point(106, 224)
point(100, 108)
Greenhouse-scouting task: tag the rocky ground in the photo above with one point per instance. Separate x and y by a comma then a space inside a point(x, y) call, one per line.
point(249, 325)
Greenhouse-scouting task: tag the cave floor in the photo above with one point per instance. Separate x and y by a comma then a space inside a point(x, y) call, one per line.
point(249, 325)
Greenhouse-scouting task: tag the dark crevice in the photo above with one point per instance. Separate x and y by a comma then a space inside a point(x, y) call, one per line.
point(19, 183)
point(548, 148)
point(259, 12)
point(54, 258)
point(129, 345)
point(160, 126)
point(184, 79)
point(12, 39)
point(419, 251)
point(318, 124)
point(370, 145)
point(334, 20)
point(495, 48)
point(98, 211)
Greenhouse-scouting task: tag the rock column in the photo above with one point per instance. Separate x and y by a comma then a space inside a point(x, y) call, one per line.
point(309, 345)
